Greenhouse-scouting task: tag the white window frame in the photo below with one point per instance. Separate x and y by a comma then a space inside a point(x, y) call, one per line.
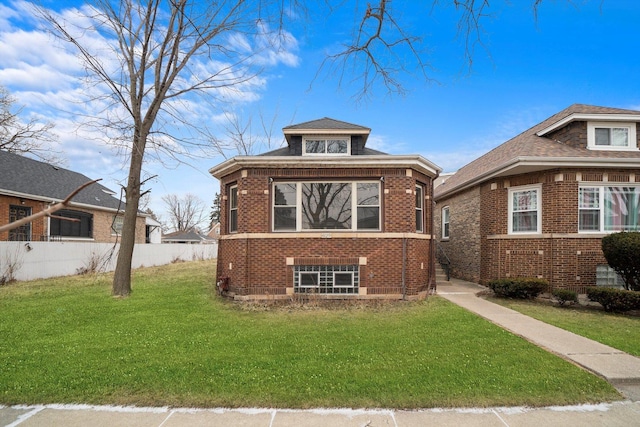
point(631, 133)
point(420, 209)
point(350, 273)
point(602, 187)
point(325, 138)
point(310, 273)
point(538, 209)
point(231, 209)
point(354, 207)
point(446, 231)
point(117, 224)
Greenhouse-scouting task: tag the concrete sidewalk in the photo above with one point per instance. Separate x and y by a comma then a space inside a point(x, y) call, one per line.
point(617, 367)
point(610, 414)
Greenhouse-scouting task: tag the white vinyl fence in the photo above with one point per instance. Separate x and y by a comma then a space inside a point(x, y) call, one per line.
point(39, 260)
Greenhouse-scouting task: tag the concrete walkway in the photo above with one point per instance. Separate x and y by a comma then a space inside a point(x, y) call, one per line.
point(619, 368)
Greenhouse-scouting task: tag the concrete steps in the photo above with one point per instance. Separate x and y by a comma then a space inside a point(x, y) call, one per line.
point(441, 276)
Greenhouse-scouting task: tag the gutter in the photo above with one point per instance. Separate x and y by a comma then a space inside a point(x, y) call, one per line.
point(543, 163)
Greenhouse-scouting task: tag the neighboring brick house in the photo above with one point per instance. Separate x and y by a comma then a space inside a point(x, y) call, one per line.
point(328, 216)
point(28, 186)
point(539, 204)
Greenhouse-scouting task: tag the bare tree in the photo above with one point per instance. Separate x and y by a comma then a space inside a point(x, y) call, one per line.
point(165, 53)
point(242, 138)
point(187, 213)
point(20, 137)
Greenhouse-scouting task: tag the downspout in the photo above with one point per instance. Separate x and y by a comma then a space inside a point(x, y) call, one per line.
point(432, 244)
point(404, 267)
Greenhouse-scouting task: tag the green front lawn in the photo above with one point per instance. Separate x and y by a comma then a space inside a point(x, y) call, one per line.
point(173, 342)
point(616, 330)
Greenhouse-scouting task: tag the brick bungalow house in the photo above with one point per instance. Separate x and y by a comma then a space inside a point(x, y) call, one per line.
point(28, 186)
point(539, 204)
point(328, 216)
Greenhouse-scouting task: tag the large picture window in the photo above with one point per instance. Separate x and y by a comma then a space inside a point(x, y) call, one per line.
point(524, 210)
point(326, 206)
point(76, 224)
point(608, 209)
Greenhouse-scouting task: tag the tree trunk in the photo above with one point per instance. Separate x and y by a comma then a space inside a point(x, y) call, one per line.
point(122, 276)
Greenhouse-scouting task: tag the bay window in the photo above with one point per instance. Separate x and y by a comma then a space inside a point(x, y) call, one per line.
point(608, 209)
point(524, 210)
point(326, 206)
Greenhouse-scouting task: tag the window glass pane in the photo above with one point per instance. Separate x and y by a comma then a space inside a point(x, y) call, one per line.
point(336, 146)
point(589, 220)
point(621, 208)
point(326, 206)
point(368, 194)
point(118, 221)
point(368, 218)
point(619, 137)
point(308, 280)
point(525, 221)
point(602, 136)
point(285, 194)
point(343, 280)
point(525, 200)
point(284, 218)
point(419, 197)
point(233, 198)
point(314, 146)
point(589, 198)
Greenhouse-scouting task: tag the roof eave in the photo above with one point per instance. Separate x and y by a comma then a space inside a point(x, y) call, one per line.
point(589, 117)
point(235, 164)
point(538, 164)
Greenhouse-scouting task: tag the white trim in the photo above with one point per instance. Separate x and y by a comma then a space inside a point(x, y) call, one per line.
point(350, 273)
point(231, 187)
point(421, 208)
point(587, 117)
point(538, 209)
point(311, 131)
point(415, 162)
point(632, 141)
point(448, 222)
point(316, 273)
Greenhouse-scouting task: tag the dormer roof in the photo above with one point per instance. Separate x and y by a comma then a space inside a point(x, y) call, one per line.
point(325, 126)
point(533, 150)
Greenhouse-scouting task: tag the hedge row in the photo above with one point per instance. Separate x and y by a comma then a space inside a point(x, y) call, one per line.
point(519, 288)
point(616, 300)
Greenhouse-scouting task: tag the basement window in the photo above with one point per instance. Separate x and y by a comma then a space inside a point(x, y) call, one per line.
point(326, 279)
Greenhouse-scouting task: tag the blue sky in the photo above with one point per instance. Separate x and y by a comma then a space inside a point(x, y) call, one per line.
point(575, 52)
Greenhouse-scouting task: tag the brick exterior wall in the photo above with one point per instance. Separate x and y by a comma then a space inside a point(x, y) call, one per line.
point(259, 262)
point(462, 248)
point(559, 254)
point(102, 221)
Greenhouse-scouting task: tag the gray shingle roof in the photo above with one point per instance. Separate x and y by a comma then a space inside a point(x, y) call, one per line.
point(325, 123)
point(23, 175)
point(528, 144)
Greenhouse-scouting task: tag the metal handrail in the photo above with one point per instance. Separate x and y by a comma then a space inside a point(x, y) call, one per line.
point(444, 263)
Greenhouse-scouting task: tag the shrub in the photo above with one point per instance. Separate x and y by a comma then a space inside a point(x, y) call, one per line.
point(519, 288)
point(621, 252)
point(565, 296)
point(615, 300)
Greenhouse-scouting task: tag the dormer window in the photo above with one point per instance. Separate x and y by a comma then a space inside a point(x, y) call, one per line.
point(331, 146)
point(611, 136)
